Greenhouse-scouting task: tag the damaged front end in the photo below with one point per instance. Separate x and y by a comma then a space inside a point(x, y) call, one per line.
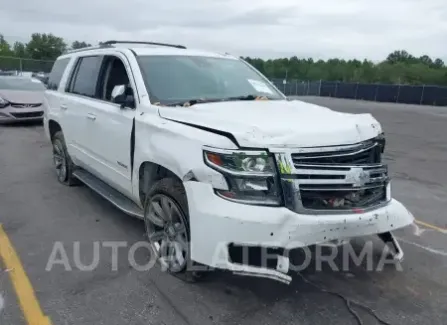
point(331, 180)
point(277, 201)
point(327, 181)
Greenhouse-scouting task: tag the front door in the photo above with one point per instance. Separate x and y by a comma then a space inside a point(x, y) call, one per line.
point(110, 133)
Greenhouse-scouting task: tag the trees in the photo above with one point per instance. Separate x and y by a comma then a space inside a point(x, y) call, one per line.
point(40, 47)
point(398, 67)
point(5, 48)
point(45, 46)
point(36, 55)
point(19, 50)
point(79, 45)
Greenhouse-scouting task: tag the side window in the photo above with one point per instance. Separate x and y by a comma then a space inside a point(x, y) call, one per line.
point(85, 76)
point(56, 73)
point(113, 74)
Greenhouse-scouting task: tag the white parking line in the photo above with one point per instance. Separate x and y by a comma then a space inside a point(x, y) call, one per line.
point(428, 249)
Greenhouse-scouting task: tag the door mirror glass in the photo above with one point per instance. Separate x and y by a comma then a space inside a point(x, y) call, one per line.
point(118, 94)
point(123, 95)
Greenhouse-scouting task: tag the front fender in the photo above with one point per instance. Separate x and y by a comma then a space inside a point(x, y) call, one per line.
point(176, 147)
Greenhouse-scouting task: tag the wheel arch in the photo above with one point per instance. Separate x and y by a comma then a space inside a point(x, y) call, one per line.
point(53, 127)
point(149, 173)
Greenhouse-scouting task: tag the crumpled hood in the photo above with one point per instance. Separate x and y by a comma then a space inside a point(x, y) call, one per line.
point(270, 124)
point(22, 97)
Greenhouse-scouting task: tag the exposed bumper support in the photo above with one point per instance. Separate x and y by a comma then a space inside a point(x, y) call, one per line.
point(390, 240)
point(280, 274)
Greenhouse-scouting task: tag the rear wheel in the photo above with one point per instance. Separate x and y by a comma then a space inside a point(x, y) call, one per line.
point(167, 227)
point(62, 162)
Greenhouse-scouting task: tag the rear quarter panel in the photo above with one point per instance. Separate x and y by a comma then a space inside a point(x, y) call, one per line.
point(52, 99)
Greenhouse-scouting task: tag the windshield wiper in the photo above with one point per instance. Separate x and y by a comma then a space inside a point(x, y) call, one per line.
point(246, 97)
point(211, 100)
point(192, 102)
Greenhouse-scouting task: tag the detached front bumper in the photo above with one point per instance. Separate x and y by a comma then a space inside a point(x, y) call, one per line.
point(216, 224)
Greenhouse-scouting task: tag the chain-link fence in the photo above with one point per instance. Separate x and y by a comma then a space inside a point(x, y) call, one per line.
point(298, 88)
point(24, 65)
point(406, 94)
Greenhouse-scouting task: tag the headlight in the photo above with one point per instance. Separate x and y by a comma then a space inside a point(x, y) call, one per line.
point(382, 142)
point(251, 175)
point(3, 103)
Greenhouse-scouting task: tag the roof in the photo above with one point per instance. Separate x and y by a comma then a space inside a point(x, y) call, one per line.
point(176, 51)
point(151, 49)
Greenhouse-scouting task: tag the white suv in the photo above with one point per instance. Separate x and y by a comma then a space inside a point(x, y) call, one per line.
point(214, 158)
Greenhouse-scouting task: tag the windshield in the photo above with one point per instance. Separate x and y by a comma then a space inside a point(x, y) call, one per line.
point(27, 84)
point(172, 79)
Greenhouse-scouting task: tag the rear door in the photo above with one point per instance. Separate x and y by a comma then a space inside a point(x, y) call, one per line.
point(77, 106)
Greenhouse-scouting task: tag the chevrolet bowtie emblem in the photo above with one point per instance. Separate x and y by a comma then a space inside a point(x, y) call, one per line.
point(358, 177)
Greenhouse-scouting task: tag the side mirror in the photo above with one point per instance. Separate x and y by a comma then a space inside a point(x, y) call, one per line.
point(123, 95)
point(118, 91)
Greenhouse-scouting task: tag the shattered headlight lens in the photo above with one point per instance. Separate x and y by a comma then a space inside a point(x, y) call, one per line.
point(251, 175)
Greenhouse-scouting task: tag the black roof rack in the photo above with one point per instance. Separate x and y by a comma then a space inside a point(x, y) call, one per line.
point(83, 49)
point(107, 43)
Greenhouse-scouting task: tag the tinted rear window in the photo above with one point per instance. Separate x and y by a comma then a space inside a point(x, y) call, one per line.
point(86, 76)
point(56, 73)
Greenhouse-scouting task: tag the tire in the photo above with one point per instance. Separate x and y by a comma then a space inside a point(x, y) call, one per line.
point(175, 233)
point(62, 161)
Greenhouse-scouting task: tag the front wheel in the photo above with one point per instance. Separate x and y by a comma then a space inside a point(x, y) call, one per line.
point(167, 227)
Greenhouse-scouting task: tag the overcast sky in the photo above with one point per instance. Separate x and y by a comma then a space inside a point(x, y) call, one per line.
point(265, 28)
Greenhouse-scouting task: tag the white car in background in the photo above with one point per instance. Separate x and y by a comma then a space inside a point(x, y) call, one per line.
point(21, 99)
point(214, 158)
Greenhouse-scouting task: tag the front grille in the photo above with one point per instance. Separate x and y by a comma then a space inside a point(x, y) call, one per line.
point(20, 105)
point(345, 190)
point(359, 154)
point(344, 178)
point(28, 114)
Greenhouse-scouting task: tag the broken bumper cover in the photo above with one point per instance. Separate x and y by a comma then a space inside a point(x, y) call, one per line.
point(217, 223)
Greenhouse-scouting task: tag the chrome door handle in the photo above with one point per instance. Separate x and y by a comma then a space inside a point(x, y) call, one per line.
point(64, 107)
point(91, 116)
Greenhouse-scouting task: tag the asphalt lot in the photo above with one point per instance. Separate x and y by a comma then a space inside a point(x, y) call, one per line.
point(36, 212)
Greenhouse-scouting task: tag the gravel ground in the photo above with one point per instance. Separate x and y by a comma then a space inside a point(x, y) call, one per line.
point(36, 212)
